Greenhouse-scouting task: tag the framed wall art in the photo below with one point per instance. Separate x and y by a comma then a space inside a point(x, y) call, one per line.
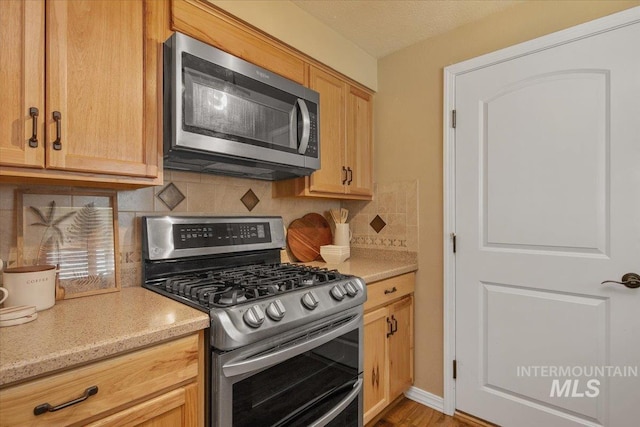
point(76, 230)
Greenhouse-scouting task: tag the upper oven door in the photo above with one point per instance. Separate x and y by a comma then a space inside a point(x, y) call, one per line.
point(311, 381)
point(229, 107)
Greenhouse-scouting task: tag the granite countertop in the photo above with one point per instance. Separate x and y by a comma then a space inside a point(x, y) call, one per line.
point(82, 330)
point(372, 268)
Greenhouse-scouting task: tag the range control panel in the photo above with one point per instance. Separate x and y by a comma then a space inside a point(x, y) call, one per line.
point(186, 236)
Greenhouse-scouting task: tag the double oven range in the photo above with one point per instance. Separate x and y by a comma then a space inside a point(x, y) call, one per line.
point(285, 340)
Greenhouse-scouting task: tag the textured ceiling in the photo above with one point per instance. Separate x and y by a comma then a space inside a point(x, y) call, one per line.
point(381, 27)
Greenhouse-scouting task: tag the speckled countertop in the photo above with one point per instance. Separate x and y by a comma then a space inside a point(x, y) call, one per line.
point(372, 267)
point(82, 330)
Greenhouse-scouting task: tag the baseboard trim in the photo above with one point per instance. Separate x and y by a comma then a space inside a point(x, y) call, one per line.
point(425, 398)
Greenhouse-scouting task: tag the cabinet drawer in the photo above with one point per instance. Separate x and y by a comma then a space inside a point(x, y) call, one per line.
point(122, 381)
point(385, 291)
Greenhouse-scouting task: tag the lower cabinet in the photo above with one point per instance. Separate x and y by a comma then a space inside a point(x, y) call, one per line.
point(388, 342)
point(157, 386)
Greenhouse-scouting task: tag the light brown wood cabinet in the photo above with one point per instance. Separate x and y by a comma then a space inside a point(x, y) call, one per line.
point(157, 386)
point(346, 147)
point(388, 342)
point(90, 68)
point(209, 24)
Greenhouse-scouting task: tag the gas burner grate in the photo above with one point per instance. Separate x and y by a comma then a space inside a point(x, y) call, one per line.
point(230, 286)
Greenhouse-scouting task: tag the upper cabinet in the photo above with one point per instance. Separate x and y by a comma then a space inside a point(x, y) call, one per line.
point(96, 120)
point(210, 25)
point(346, 154)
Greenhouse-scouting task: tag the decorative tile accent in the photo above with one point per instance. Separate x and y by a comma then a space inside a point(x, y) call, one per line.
point(171, 196)
point(377, 224)
point(250, 200)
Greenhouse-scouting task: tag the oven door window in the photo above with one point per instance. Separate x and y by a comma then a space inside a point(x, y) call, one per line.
point(302, 389)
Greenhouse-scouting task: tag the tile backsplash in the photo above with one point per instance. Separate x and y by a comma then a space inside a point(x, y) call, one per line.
point(394, 204)
point(389, 221)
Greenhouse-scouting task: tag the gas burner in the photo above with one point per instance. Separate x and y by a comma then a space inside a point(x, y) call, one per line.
point(233, 296)
point(231, 286)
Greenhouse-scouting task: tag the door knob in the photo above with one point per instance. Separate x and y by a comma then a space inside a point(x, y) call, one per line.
point(630, 280)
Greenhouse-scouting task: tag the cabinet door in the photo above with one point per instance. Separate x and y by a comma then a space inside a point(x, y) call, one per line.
point(175, 408)
point(21, 82)
point(375, 363)
point(359, 142)
point(401, 347)
point(97, 72)
point(329, 178)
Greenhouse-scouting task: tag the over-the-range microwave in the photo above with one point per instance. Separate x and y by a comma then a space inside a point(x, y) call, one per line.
point(227, 116)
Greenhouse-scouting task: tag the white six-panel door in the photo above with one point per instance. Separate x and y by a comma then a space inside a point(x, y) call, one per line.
point(547, 206)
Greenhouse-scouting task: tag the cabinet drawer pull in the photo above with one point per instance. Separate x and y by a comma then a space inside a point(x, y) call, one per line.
point(394, 326)
point(350, 176)
point(33, 141)
point(57, 144)
point(45, 407)
point(389, 328)
point(390, 291)
point(344, 180)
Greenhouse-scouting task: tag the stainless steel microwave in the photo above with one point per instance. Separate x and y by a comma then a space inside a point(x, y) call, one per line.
point(227, 116)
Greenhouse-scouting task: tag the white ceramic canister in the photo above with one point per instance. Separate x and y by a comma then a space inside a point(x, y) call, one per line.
point(30, 285)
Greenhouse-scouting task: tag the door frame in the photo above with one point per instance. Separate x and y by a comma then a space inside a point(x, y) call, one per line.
point(607, 23)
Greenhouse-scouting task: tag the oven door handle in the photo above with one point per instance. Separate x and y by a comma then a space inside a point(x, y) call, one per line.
point(336, 410)
point(232, 369)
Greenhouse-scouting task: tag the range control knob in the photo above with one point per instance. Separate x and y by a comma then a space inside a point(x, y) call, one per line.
point(309, 300)
point(351, 289)
point(254, 317)
point(337, 293)
point(276, 310)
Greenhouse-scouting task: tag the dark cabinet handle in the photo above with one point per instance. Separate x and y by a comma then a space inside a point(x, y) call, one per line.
point(390, 291)
point(394, 327)
point(57, 144)
point(373, 377)
point(45, 407)
point(630, 280)
point(33, 141)
point(378, 375)
point(344, 180)
point(389, 328)
point(350, 176)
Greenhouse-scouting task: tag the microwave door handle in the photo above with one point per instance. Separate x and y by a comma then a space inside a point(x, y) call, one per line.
point(306, 125)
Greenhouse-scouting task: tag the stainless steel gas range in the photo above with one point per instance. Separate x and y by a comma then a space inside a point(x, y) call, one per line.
point(285, 339)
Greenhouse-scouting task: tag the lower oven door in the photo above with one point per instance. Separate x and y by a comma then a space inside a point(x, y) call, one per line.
point(311, 377)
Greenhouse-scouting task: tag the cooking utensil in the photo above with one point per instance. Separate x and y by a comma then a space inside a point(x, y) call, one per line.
point(335, 215)
point(344, 214)
point(305, 236)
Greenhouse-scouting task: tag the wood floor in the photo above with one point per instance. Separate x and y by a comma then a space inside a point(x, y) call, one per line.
point(407, 413)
